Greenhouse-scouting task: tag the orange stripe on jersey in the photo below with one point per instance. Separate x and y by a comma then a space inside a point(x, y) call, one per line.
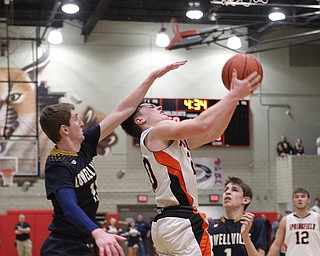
point(205, 243)
point(174, 168)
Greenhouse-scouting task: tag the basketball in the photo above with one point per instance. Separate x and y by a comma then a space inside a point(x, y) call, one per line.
point(245, 64)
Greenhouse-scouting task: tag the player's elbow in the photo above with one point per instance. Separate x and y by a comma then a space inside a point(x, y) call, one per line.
point(204, 128)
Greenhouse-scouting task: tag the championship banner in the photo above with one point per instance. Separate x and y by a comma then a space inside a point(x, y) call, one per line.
point(209, 172)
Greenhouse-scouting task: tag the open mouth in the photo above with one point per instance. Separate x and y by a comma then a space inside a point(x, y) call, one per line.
point(227, 199)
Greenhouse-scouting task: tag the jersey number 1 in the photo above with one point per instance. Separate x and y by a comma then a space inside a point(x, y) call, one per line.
point(227, 251)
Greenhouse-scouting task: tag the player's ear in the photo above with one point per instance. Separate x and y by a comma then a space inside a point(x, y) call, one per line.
point(63, 129)
point(246, 200)
point(139, 120)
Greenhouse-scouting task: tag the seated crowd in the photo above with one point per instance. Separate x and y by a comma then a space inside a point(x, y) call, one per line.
point(284, 148)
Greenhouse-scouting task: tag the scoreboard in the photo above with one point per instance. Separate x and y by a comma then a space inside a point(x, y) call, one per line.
point(237, 132)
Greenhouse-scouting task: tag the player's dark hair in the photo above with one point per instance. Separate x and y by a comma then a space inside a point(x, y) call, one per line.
point(302, 191)
point(52, 117)
point(129, 125)
point(246, 189)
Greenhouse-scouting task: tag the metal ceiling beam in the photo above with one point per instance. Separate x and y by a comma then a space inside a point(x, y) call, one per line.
point(304, 34)
point(95, 17)
point(51, 18)
point(241, 3)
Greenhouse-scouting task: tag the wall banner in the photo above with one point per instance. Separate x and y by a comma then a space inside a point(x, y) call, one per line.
point(209, 172)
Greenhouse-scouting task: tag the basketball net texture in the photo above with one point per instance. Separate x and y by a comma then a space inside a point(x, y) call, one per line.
point(245, 3)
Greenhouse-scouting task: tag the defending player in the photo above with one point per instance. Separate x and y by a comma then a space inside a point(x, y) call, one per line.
point(237, 233)
point(299, 230)
point(70, 174)
point(179, 228)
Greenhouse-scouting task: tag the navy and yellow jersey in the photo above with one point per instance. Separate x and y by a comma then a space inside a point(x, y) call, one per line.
point(227, 240)
point(73, 170)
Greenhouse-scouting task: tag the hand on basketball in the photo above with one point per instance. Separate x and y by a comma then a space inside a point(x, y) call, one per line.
point(246, 221)
point(108, 244)
point(162, 71)
point(246, 86)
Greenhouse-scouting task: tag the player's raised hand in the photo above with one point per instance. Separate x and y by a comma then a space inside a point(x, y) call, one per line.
point(246, 86)
point(246, 221)
point(108, 244)
point(161, 71)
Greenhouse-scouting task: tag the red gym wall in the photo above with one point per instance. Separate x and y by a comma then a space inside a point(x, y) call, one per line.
point(39, 221)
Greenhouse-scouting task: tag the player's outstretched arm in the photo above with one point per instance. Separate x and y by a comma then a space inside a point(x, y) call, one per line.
point(129, 104)
point(278, 242)
point(216, 120)
point(211, 123)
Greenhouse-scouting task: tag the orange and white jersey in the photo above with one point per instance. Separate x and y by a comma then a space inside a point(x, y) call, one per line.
point(171, 173)
point(302, 235)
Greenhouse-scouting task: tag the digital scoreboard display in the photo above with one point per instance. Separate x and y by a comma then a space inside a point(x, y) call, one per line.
point(237, 132)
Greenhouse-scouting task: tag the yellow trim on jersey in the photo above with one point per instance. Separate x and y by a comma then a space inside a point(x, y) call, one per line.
point(223, 219)
point(56, 151)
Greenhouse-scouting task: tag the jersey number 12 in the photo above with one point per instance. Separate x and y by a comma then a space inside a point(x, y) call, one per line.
point(302, 238)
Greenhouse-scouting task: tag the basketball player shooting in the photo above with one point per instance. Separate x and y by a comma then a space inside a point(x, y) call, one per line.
point(180, 228)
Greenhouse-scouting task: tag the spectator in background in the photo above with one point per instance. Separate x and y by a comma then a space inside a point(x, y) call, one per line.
point(280, 150)
point(284, 148)
point(144, 229)
point(275, 226)
point(298, 148)
point(267, 226)
point(23, 242)
point(113, 228)
point(316, 207)
point(133, 238)
point(287, 148)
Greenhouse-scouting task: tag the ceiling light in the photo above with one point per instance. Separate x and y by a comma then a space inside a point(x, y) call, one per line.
point(55, 36)
point(276, 15)
point(194, 14)
point(234, 42)
point(162, 39)
point(194, 11)
point(70, 7)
